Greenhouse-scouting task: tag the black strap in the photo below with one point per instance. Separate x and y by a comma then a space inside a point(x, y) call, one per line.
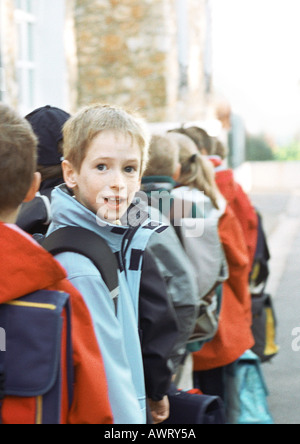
point(85, 242)
point(2, 386)
point(2, 393)
point(2, 368)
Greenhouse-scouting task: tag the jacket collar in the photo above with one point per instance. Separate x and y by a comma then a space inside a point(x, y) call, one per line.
point(157, 183)
point(67, 211)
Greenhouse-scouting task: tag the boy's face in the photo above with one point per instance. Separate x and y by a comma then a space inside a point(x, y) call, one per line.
point(109, 175)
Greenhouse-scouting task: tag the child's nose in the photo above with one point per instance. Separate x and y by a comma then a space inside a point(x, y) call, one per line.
point(117, 181)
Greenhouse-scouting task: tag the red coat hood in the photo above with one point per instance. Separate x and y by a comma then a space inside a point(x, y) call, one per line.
point(227, 184)
point(25, 266)
point(242, 207)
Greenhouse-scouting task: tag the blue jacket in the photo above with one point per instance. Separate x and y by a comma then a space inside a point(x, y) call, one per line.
point(118, 336)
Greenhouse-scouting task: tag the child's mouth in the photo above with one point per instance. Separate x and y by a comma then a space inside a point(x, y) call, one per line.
point(114, 202)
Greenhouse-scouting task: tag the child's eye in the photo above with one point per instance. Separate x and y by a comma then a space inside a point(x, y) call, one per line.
point(130, 169)
point(101, 167)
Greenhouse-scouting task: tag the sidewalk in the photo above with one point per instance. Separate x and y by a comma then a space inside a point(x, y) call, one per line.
point(281, 213)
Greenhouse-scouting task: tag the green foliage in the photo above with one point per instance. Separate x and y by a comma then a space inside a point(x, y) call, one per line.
point(288, 153)
point(258, 149)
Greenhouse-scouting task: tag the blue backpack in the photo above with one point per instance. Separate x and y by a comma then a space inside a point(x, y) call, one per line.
point(37, 329)
point(246, 392)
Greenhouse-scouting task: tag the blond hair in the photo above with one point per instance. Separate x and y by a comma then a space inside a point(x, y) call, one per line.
point(80, 130)
point(196, 170)
point(18, 158)
point(163, 156)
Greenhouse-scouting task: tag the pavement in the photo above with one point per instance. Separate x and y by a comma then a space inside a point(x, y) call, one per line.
point(281, 216)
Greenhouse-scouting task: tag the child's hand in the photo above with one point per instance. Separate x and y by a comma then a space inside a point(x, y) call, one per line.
point(160, 410)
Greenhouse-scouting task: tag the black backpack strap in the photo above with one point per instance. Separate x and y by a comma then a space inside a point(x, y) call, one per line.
point(85, 242)
point(2, 383)
point(2, 366)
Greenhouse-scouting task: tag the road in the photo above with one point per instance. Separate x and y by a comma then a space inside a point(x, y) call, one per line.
point(281, 215)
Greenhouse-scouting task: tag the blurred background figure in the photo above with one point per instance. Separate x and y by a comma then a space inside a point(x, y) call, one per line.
point(47, 123)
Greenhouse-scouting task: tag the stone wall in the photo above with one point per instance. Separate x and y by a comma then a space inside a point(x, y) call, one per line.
point(124, 52)
point(127, 53)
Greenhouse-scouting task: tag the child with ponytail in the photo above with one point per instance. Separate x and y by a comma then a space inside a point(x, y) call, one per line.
point(234, 334)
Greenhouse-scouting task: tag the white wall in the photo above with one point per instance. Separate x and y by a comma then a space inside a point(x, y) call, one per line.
point(269, 176)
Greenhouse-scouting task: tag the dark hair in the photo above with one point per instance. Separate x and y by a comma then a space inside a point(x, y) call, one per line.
point(220, 149)
point(18, 158)
point(53, 171)
point(199, 136)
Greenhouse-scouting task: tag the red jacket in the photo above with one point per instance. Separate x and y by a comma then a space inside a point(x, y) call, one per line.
point(242, 207)
point(234, 335)
point(26, 268)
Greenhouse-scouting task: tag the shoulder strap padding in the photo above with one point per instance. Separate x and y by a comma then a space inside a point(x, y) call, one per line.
point(87, 243)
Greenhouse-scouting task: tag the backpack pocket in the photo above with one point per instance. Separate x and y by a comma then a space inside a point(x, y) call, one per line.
point(31, 364)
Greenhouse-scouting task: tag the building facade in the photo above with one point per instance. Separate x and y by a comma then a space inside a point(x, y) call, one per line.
point(32, 53)
point(149, 55)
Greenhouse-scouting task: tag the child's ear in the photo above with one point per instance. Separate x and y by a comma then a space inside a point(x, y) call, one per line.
point(69, 174)
point(177, 173)
point(139, 185)
point(34, 188)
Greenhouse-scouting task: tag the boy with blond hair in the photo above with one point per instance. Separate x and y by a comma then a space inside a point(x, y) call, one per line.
point(26, 269)
point(105, 152)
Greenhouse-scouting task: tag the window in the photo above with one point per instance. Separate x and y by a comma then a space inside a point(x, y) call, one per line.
point(41, 67)
point(25, 20)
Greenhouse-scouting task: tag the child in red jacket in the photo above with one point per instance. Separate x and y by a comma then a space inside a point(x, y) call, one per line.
point(237, 200)
point(27, 268)
point(234, 335)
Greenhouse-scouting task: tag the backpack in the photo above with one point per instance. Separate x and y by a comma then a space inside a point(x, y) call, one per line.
point(35, 216)
point(207, 257)
point(36, 358)
point(264, 322)
point(193, 407)
point(87, 243)
point(43, 321)
point(260, 267)
point(246, 392)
